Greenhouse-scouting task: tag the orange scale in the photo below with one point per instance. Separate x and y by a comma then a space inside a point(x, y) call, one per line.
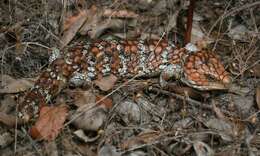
point(175, 57)
point(42, 80)
point(205, 67)
point(77, 52)
point(204, 82)
point(201, 77)
point(77, 59)
point(134, 49)
point(187, 71)
point(113, 45)
point(191, 59)
point(151, 47)
point(84, 65)
point(189, 65)
point(45, 74)
point(127, 50)
point(164, 44)
point(94, 50)
point(214, 61)
point(226, 79)
point(220, 71)
point(130, 42)
point(221, 77)
point(200, 54)
point(155, 42)
point(108, 50)
point(201, 70)
point(193, 70)
point(195, 75)
point(69, 68)
point(197, 59)
point(99, 66)
point(158, 50)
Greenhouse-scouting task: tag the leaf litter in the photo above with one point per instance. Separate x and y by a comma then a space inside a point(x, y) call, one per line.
point(136, 119)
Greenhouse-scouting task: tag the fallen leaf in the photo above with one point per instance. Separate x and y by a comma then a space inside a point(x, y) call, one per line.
point(142, 138)
point(71, 26)
point(96, 25)
point(50, 122)
point(11, 85)
point(82, 136)
point(105, 101)
point(89, 117)
point(202, 149)
point(82, 97)
point(119, 13)
point(106, 83)
point(129, 112)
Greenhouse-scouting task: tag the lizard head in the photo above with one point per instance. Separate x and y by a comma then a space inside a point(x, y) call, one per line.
point(204, 71)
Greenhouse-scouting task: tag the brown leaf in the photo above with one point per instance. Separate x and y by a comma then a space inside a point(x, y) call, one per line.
point(119, 13)
point(71, 27)
point(82, 97)
point(96, 25)
point(106, 83)
point(105, 101)
point(257, 96)
point(89, 117)
point(50, 122)
point(11, 85)
point(143, 138)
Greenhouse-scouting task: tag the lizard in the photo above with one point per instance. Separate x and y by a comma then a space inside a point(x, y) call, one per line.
point(85, 62)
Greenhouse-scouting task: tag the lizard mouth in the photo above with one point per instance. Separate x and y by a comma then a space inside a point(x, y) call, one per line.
point(211, 85)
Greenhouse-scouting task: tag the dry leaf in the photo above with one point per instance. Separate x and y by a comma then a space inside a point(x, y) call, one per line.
point(82, 97)
point(143, 138)
point(50, 122)
point(11, 85)
point(257, 96)
point(71, 27)
point(106, 83)
point(89, 117)
point(120, 13)
point(96, 25)
point(105, 101)
point(202, 149)
point(82, 136)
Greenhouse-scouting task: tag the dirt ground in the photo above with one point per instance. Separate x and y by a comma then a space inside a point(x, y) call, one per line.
point(137, 118)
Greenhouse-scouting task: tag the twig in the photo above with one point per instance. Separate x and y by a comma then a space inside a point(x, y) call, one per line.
point(232, 12)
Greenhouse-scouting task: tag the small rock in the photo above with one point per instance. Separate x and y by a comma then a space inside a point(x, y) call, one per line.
point(129, 111)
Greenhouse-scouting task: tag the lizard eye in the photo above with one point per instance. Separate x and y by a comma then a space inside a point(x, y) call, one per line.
point(204, 71)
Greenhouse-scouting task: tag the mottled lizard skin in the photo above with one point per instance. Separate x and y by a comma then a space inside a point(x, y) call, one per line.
point(86, 62)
